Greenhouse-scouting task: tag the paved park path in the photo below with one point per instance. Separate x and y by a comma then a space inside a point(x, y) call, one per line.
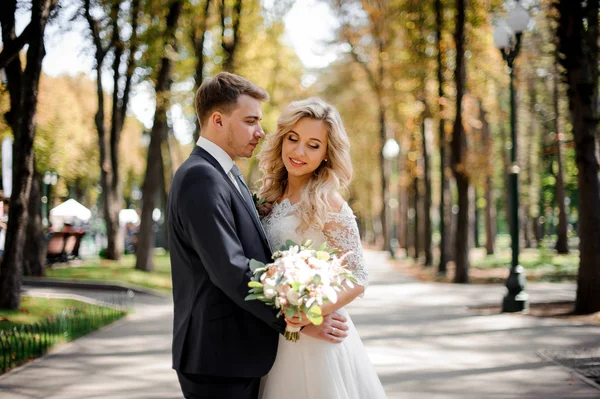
point(421, 337)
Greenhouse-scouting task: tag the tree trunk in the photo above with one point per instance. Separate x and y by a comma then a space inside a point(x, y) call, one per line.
point(112, 190)
point(385, 178)
point(35, 251)
point(402, 216)
point(578, 42)
point(458, 149)
point(230, 45)
point(562, 243)
point(23, 161)
point(444, 189)
point(490, 200)
point(410, 219)
point(152, 184)
point(427, 200)
point(475, 221)
point(417, 220)
point(198, 39)
point(490, 217)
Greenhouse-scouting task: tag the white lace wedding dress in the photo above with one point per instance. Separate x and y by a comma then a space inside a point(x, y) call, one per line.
point(311, 368)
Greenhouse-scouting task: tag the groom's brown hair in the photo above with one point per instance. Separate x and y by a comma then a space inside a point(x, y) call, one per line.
point(220, 93)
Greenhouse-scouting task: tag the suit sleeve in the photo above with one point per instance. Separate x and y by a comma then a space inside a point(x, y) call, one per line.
point(205, 212)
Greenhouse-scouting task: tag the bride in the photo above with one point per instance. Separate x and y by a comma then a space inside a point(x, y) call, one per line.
point(305, 164)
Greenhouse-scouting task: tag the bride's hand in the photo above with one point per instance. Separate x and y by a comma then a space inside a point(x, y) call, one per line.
point(333, 329)
point(298, 321)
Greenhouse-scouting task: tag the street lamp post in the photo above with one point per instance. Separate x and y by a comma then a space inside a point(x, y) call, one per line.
point(390, 151)
point(507, 37)
point(49, 179)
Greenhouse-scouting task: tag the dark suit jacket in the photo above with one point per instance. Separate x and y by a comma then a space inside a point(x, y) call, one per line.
point(213, 233)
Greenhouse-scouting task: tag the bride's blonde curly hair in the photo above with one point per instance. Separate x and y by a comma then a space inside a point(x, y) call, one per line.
point(330, 177)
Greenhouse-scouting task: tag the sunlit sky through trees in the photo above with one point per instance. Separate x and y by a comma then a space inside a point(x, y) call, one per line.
point(309, 27)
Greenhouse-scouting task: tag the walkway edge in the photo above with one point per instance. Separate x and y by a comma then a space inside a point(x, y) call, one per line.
point(541, 353)
point(56, 349)
point(42, 282)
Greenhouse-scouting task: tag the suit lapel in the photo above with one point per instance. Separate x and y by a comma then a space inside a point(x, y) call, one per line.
point(206, 155)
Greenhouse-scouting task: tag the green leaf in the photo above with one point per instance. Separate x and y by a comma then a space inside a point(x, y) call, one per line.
point(254, 265)
point(290, 312)
point(254, 284)
point(322, 247)
point(316, 310)
point(289, 244)
point(253, 297)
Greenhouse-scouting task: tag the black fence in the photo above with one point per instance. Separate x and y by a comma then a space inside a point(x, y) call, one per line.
point(21, 344)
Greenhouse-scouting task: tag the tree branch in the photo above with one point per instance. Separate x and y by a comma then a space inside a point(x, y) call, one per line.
point(12, 49)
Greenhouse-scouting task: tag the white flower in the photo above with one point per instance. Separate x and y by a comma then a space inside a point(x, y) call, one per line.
point(293, 297)
point(330, 293)
point(269, 290)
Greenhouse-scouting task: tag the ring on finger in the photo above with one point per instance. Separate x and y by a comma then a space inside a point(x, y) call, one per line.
point(333, 331)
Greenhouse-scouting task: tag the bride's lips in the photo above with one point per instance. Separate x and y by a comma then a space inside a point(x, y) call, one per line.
point(296, 163)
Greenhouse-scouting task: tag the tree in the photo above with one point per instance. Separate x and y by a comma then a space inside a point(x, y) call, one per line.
point(445, 198)
point(458, 146)
point(371, 55)
point(578, 54)
point(562, 242)
point(230, 28)
point(157, 136)
point(198, 37)
point(23, 161)
point(109, 138)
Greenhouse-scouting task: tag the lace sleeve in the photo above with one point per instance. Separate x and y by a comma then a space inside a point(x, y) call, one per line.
point(341, 232)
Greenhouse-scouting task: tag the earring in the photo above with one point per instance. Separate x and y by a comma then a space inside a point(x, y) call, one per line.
point(325, 159)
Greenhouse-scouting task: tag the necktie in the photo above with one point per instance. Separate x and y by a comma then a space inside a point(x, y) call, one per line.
point(245, 191)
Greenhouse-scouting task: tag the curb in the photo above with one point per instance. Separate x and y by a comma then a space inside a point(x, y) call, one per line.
point(542, 353)
point(89, 285)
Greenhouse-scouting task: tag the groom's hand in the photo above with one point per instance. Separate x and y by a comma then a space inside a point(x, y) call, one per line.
point(333, 329)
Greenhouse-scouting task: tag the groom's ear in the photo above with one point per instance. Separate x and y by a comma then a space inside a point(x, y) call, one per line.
point(216, 118)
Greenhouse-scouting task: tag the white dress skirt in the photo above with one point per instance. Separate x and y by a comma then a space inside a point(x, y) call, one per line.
point(311, 368)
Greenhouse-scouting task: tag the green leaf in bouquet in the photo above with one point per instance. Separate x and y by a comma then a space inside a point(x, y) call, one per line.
point(315, 315)
point(252, 297)
point(323, 255)
point(296, 286)
point(323, 247)
point(307, 243)
point(254, 284)
point(254, 265)
point(289, 244)
point(290, 312)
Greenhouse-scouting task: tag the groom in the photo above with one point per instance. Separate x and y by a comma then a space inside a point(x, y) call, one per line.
point(222, 344)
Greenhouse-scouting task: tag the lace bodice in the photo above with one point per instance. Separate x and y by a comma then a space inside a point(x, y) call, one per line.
point(340, 232)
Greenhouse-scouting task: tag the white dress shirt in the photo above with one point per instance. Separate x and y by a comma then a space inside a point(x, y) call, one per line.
point(221, 156)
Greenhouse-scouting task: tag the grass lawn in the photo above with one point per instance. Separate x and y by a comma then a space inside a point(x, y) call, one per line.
point(540, 264)
point(36, 309)
point(122, 271)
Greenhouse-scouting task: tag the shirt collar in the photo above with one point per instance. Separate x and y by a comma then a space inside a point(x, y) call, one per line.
point(217, 152)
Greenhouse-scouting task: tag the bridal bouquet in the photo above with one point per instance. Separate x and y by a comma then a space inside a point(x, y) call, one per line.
point(299, 281)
